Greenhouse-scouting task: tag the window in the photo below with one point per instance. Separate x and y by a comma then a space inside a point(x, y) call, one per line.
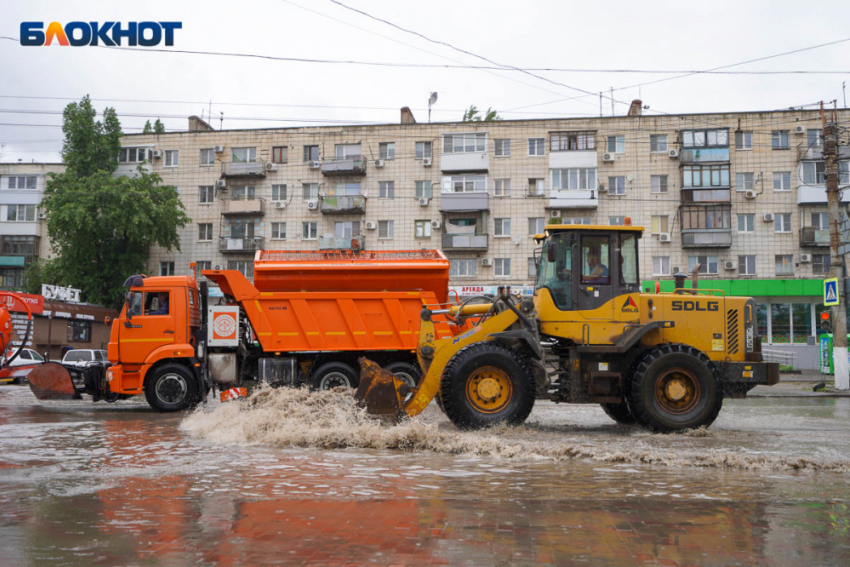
point(422, 229)
point(566, 141)
point(347, 151)
point(744, 182)
point(784, 265)
point(166, 268)
point(747, 265)
point(386, 228)
point(423, 189)
point(206, 194)
point(571, 179)
point(346, 229)
point(310, 191)
point(779, 139)
point(814, 172)
point(423, 150)
point(821, 263)
point(79, 331)
point(243, 155)
point(465, 184)
point(617, 185)
point(205, 231)
point(705, 217)
point(661, 265)
point(576, 220)
point(280, 154)
point(782, 222)
point(241, 229)
point(201, 266)
point(207, 157)
point(658, 183)
point(245, 267)
point(659, 224)
point(814, 138)
point(133, 155)
point(311, 153)
point(20, 245)
point(386, 150)
point(503, 188)
point(243, 193)
point(28, 182)
point(658, 143)
point(279, 192)
point(536, 146)
point(386, 189)
point(463, 267)
point(698, 139)
point(844, 172)
point(616, 221)
point(820, 221)
point(172, 158)
point(11, 278)
point(743, 140)
point(708, 264)
point(503, 227)
point(536, 225)
point(309, 230)
point(21, 213)
point(781, 180)
point(532, 268)
point(746, 223)
point(464, 143)
point(502, 267)
point(595, 260)
point(503, 147)
point(536, 187)
point(705, 176)
point(278, 231)
point(617, 144)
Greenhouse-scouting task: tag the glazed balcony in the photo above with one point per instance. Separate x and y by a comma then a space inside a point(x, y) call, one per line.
point(343, 204)
point(344, 166)
point(240, 245)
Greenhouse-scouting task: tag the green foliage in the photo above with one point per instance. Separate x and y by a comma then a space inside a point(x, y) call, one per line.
point(148, 129)
point(472, 115)
point(90, 145)
point(158, 127)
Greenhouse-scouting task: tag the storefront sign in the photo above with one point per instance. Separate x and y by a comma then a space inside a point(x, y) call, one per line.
point(35, 302)
point(469, 290)
point(56, 293)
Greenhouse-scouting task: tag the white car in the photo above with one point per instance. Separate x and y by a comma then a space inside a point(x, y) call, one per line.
point(27, 357)
point(85, 357)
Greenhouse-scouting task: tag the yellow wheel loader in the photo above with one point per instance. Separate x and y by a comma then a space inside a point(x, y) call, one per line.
point(662, 360)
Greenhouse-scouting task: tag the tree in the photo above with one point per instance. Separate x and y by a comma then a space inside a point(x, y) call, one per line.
point(101, 226)
point(148, 129)
point(472, 115)
point(158, 127)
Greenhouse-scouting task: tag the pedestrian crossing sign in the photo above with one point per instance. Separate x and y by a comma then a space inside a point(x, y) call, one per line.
point(830, 292)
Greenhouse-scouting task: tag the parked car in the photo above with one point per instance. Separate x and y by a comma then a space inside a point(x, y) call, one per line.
point(14, 372)
point(85, 357)
point(27, 357)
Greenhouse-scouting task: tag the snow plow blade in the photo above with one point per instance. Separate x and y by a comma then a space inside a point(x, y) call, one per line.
point(52, 381)
point(380, 392)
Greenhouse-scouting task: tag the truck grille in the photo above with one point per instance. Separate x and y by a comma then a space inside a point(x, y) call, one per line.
point(732, 331)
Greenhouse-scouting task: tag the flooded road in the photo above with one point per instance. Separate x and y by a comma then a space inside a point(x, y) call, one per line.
point(86, 484)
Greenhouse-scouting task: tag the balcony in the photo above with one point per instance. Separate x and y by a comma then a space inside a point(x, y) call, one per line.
point(240, 245)
point(470, 201)
point(248, 207)
point(344, 166)
point(816, 195)
point(252, 169)
point(330, 242)
point(343, 204)
point(704, 155)
point(707, 238)
point(573, 199)
point(468, 161)
point(471, 241)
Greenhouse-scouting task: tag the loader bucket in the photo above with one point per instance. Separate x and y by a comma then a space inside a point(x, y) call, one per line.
point(380, 392)
point(51, 381)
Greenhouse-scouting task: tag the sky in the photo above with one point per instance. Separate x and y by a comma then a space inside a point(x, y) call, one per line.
point(573, 37)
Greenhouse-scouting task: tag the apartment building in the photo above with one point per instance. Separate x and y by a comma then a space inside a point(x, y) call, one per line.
point(740, 194)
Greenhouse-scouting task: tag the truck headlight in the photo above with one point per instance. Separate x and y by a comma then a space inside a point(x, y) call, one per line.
point(200, 350)
point(109, 375)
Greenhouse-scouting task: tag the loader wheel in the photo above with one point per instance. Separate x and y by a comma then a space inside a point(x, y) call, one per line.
point(171, 387)
point(485, 384)
point(406, 372)
point(332, 375)
point(674, 387)
point(619, 413)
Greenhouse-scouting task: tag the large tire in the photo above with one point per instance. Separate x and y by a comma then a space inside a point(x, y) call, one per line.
point(171, 387)
point(619, 413)
point(408, 373)
point(333, 375)
point(485, 384)
point(675, 387)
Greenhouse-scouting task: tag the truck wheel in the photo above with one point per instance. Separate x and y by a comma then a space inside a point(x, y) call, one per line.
point(674, 387)
point(485, 384)
point(406, 372)
point(331, 375)
point(171, 387)
point(619, 413)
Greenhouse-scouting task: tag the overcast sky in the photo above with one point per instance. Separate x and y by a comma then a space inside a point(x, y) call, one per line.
point(647, 35)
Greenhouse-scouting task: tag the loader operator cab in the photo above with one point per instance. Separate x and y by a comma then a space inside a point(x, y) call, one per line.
point(584, 266)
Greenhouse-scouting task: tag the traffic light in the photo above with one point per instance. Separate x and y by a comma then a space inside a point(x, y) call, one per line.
point(825, 323)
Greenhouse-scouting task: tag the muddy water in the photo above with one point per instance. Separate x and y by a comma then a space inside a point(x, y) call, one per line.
point(84, 484)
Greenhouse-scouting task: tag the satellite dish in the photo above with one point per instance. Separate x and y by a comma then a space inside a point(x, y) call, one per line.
point(433, 99)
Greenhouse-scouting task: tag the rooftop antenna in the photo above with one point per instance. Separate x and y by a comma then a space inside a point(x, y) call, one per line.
point(431, 102)
point(221, 121)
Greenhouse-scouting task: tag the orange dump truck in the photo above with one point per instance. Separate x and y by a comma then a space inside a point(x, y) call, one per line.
point(306, 319)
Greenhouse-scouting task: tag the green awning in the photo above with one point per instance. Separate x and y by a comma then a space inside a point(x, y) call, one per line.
point(12, 261)
point(750, 288)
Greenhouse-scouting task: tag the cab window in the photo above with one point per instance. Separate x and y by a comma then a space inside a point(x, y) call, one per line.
point(628, 259)
point(135, 300)
point(156, 303)
point(555, 273)
point(595, 260)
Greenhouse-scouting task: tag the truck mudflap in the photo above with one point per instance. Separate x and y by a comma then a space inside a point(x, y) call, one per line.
point(738, 378)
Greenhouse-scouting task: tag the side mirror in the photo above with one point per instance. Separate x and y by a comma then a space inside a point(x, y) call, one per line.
point(550, 253)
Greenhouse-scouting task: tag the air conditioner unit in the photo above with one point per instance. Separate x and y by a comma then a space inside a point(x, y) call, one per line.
point(280, 205)
point(217, 267)
point(426, 162)
point(673, 153)
point(750, 194)
point(423, 202)
point(157, 154)
point(608, 157)
point(677, 270)
point(436, 224)
point(799, 130)
point(486, 261)
point(218, 149)
point(42, 216)
point(379, 163)
point(603, 188)
point(805, 258)
point(664, 237)
point(371, 225)
point(271, 167)
point(768, 217)
point(221, 184)
point(312, 205)
point(555, 214)
point(313, 165)
point(730, 265)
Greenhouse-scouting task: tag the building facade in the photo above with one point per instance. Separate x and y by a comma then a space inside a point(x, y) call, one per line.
point(741, 194)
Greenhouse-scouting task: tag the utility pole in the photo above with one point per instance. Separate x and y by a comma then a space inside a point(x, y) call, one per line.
point(833, 196)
